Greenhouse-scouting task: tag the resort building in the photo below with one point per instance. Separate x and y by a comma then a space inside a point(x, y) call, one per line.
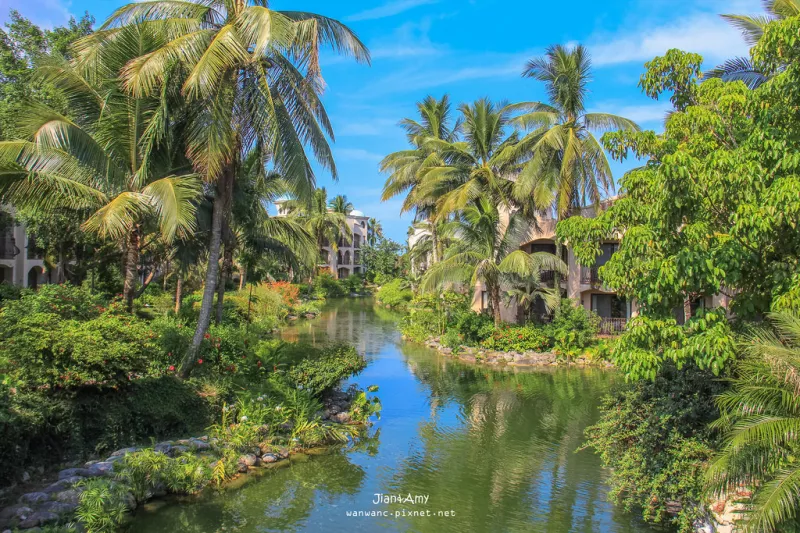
point(21, 262)
point(582, 284)
point(345, 259)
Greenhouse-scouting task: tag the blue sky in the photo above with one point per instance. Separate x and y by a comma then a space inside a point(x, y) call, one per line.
point(471, 49)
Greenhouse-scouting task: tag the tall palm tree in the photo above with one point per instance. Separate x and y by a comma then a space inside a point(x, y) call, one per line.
point(486, 250)
point(340, 204)
point(374, 231)
point(117, 157)
point(480, 165)
point(760, 414)
point(752, 28)
point(253, 232)
point(568, 168)
point(327, 227)
point(252, 77)
point(527, 291)
point(405, 167)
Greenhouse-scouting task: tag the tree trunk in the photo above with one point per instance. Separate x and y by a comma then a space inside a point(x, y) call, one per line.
point(225, 274)
point(219, 214)
point(494, 297)
point(242, 276)
point(435, 243)
point(556, 273)
point(131, 268)
point(150, 277)
point(179, 294)
point(687, 309)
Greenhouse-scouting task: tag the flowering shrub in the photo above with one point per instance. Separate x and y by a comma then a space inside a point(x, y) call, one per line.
point(290, 293)
point(517, 339)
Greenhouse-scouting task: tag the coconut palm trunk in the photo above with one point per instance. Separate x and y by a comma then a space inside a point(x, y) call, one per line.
point(225, 275)
point(179, 294)
point(219, 214)
point(494, 299)
point(242, 276)
point(131, 268)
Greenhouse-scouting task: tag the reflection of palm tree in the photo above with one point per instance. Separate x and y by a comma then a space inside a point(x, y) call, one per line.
point(515, 468)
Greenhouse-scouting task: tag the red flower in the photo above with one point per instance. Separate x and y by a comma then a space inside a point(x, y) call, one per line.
point(171, 368)
point(199, 361)
point(258, 364)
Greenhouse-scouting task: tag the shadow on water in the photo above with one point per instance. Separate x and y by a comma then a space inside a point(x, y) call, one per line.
point(491, 450)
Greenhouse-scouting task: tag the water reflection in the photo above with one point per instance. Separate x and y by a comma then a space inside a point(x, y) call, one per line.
point(497, 448)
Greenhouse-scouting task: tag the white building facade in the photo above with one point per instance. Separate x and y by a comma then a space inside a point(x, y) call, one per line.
point(21, 262)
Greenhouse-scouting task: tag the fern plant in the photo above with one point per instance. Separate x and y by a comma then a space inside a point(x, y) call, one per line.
point(102, 507)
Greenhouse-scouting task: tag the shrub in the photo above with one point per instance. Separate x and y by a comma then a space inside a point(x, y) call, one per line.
point(452, 339)
point(290, 293)
point(43, 349)
point(573, 328)
point(653, 437)
point(394, 294)
point(103, 506)
point(9, 292)
point(517, 339)
point(353, 283)
point(326, 286)
point(474, 327)
point(324, 369)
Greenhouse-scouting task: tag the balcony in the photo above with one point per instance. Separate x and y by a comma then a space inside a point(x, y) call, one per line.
point(590, 276)
point(612, 326)
point(8, 247)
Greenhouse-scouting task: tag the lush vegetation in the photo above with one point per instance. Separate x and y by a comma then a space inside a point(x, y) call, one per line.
point(81, 376)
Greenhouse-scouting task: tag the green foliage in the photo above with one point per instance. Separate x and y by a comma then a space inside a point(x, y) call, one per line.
point(324, 369)
point(9, 292)
point(517, 339)
point(573, 328)
point(61, 337)
point(653, 437)
point(452, 339)
point(103, 506)
point(395, 293)
point(364, 407)
point(431, 314)
point(382, 259)
point(326, 286)
point(759, 419)
point(473, 327)
point(146, 472)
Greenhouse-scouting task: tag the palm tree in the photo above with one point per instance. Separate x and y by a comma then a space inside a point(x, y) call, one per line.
point(374, 231)
point(760, 414)
point(327, 227)
point(252, 78)
point(253, 232)
point(405, 167)
point(340, 204)
point(486, 250)
point(752, 28)
point(568, 168)
point(115, 158)
point(526, 292)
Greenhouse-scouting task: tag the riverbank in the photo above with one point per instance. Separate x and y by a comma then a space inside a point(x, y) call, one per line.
point(530, 358)
point(112, 487)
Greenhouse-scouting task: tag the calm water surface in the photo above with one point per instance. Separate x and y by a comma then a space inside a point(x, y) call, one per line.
point(493, 451)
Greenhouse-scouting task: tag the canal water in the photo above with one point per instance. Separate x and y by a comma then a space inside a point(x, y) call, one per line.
point(458, 449)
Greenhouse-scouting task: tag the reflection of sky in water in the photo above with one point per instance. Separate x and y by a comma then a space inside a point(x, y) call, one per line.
point(496, 447)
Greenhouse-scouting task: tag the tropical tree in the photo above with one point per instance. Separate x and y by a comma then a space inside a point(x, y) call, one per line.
point(340, 204)
point(760, 415)
point(252, 76)
point(752, 28)
point(116, 158)
point(405, 167)
point(374, 231)
point(327, 227)
point(527, 291)
point(568, 168)
point(486, 250)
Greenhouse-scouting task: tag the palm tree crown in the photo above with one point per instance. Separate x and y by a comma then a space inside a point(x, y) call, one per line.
point(340, 204)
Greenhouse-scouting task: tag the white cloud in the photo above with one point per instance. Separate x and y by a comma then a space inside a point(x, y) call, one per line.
point(388, 10)
point(703, 33)
point(369, 128)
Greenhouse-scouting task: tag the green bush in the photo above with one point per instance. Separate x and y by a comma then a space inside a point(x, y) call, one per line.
point(653, 438)
point(9, 292)
point(394, 294)
point(517, 339)
point(452, 339)
point(43, 349)
point(326, 286)
point(323, 369)
point(573, 328)
point(474, 327)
